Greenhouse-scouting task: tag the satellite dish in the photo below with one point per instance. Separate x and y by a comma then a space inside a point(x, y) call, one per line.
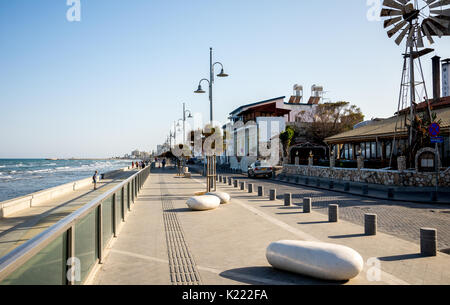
point(413, 19)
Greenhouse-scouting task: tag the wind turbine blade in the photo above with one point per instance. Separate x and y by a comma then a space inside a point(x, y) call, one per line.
point(427, 32)
point(441, 22)
point(388, 13)
point(392, 4)
point(420, 43)
point(435, 29)
point(391, 21)
point(402, 35)
point(396, 28)
point(441, 12)
point(440, 3)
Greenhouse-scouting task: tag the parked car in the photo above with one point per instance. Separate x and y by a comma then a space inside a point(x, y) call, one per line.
point(260, 169)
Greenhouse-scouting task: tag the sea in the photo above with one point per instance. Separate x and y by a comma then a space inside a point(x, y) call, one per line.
point(19, 177)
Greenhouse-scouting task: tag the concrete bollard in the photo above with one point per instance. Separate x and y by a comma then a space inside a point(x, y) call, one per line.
point(287, 199)
point(390, 193)
point(346, 187)
point(428, 242)
point(235, 183)
point(365, 189)
point(331, 185)
point(307, 205)
point(333, 213)
point(260, 191)
point(273, 195)
point(370, 224)
point(242, 186)
point(250, 188)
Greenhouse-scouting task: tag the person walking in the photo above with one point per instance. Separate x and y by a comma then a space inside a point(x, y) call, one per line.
point(95, 179)
point(164, 163)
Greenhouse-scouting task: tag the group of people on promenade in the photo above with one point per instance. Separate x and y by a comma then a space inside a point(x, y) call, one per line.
point(162, 162)
point(139, 165)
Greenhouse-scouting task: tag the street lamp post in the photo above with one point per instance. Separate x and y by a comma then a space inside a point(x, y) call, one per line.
point(184, 121)
point(211, 161)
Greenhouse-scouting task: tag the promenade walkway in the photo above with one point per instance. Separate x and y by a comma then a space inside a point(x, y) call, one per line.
point(24, 225)
point(163, 242)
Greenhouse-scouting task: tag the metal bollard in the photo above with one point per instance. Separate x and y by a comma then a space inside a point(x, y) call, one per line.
point(370, 224)
point(428, 242)
point(250, 188)
point(235, 183)
point(346, 187)
point(242, 186)
point(365, 189)
point(390, 193)
point(273, 195)
point(260, 191)
point(287, 199)
point(307, 205)
point(333, 213)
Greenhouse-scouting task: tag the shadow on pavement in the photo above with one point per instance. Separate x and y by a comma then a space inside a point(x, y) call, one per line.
point(400, 257)
point(347, 236)
point(271, 276)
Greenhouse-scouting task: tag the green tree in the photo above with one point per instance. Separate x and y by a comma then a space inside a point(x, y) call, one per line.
point(286, 139)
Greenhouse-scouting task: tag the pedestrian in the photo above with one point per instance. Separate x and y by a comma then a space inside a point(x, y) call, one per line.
point(94, 179)
point(164, 163)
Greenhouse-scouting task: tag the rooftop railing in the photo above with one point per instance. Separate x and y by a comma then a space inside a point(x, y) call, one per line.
point(67, 252)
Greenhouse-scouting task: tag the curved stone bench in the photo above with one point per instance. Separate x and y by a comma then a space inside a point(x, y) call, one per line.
point(315, 259)
point(203, 203)
point(224, 197)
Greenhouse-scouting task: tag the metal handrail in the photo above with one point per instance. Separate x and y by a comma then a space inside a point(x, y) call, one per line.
point(20, 255)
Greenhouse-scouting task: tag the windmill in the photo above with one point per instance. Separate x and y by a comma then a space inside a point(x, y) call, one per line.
point(413, 20)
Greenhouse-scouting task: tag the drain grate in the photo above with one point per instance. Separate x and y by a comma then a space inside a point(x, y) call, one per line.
point(183, 270)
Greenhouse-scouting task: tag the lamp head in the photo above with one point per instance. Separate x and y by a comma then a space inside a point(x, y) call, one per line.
point(222, 74)
point(199, 90)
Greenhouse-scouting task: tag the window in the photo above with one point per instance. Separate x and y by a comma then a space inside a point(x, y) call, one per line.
point(363, 150)
point(373, 150)
point(388, 149)
point(367, 144)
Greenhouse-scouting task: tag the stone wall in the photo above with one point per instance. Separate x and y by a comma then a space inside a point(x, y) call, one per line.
point(375, 176)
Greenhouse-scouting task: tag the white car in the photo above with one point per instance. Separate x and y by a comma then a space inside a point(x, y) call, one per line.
point(260, 169)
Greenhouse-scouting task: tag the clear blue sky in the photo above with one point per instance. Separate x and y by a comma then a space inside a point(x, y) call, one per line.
point(116, 80)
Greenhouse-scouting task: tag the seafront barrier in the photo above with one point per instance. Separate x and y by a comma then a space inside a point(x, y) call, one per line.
point(15, 205)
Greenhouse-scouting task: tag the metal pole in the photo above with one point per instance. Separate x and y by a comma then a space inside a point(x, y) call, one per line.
point(184, 123)
point(412, 90)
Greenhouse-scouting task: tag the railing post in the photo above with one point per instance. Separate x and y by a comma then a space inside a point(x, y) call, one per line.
point(115, 224)
point(123, 203)
point(100, 233)
point(70, 270)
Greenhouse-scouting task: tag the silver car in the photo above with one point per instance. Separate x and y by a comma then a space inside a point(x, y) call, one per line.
point(260, 169)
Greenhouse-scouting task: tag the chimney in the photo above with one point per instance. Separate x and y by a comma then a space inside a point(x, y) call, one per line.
point(436, 63)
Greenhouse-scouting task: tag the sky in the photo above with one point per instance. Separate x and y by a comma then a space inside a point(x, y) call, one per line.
point(115, 81)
